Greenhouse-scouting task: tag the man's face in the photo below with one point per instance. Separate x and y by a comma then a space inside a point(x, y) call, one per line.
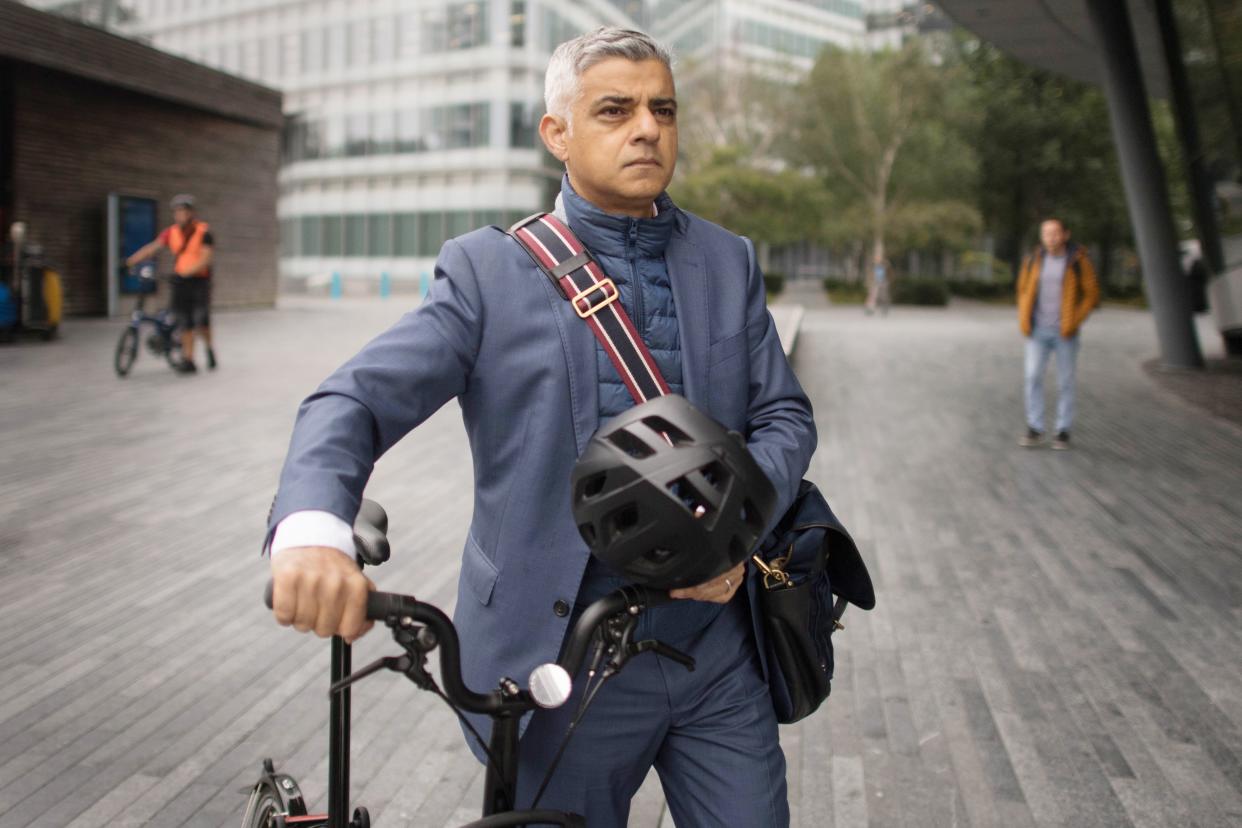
point(621, 143)
point(1052, 235)
point(183, 215)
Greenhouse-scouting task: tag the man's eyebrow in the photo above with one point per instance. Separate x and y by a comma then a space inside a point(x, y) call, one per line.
point(664, 102)
point(616, 100)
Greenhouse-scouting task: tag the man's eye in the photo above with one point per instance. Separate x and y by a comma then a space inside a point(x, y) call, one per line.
point(666, 112)
point(612, 110)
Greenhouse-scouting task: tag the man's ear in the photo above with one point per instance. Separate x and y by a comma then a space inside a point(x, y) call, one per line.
point(554, 131)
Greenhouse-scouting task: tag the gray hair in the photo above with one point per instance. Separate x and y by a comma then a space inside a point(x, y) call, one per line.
point(561, 84)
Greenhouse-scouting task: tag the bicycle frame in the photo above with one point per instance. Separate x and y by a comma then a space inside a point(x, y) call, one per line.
point(419, 628)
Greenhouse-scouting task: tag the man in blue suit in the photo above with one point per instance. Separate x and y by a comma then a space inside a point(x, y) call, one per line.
point(533, 386)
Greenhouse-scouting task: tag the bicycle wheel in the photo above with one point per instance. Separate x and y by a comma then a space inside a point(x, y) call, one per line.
point(265, 808)
point(126, 351)
point(173, 352)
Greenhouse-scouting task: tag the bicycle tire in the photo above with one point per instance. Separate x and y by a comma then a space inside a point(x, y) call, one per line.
point(173, 352)
point(266, 808)
point(126, 351)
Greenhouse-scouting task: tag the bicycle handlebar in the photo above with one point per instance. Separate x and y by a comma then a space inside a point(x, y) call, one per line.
point(389, 607)
point(392, 608)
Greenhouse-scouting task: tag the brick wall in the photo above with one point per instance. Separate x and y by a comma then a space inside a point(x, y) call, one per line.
point(76, 140)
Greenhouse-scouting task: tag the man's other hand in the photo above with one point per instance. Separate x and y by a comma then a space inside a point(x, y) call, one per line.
point(320, 589)
point(718, 590)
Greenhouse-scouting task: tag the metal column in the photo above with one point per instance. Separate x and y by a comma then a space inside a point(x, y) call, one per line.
point(1146, 192)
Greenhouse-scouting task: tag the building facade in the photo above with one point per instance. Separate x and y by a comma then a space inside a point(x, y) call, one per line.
point(408, 123)
point(85, 114)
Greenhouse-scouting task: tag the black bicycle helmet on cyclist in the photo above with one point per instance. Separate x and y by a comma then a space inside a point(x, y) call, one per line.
point(669, 498)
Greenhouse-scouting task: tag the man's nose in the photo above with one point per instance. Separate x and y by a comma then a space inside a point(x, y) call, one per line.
point(646, 127)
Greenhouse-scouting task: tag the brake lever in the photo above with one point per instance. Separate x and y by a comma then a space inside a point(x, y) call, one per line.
point(662, 649)
point(398, 664)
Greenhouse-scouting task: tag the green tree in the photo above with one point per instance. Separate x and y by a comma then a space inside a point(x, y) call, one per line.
point(1045, 149)
point(882, 131)
point(772, 206)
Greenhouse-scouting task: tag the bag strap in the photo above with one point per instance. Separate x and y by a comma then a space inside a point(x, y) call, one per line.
point(564, 259)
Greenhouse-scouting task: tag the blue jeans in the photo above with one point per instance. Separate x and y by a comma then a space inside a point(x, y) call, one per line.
point(1039, 346)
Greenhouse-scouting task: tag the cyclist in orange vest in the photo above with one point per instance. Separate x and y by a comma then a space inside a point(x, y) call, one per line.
point(192, 245)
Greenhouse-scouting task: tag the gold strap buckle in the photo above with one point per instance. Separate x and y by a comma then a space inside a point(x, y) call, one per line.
point(609, 290)
point(773, 576)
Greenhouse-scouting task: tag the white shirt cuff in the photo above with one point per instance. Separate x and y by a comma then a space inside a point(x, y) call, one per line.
point(313, 528)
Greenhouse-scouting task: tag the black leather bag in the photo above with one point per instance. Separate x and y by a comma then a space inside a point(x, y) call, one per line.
point(807, 560)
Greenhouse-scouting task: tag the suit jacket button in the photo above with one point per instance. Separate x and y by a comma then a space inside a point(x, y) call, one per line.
point(561, 608)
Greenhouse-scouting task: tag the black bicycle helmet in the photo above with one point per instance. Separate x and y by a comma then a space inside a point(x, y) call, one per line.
point(667, 497)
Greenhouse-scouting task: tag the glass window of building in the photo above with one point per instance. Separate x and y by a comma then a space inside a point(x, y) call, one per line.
point(405, 234)
point(523, 124)
point(379, 234)
point(333, 145)
point(357, 133)
point(384, 33)
point(556, 30)
point(486, 218)
point(290, 244)
point(313, 51)
point(383, 132)
point(408, 30)
point(430, 233)
point(338, 46)
point(454, 26)
point(457, 223)
point(517, 23)
point(311, 237)
point(332, 229)
point(359, 51)
point(409, 131)
point(356, 235)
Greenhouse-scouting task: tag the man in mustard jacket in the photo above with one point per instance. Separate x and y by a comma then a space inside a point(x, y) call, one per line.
point(1057, 289)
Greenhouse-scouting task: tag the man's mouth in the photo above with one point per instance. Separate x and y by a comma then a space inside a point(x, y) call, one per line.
point(646, 162)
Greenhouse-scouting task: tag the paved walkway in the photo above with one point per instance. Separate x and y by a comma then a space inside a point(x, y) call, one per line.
point(1058, 640)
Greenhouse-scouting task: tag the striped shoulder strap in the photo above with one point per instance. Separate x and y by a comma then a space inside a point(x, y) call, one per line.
point(578, 277)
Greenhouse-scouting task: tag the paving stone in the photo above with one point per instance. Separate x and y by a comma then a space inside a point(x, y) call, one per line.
point(1057, 639)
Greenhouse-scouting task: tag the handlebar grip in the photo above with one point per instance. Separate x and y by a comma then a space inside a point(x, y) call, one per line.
point(381, 605)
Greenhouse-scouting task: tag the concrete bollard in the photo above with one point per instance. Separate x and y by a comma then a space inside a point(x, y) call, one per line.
point(385, 285)
point(335, 288)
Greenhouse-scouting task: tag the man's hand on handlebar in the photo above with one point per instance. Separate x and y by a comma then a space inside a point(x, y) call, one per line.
point(320, 589)
point(719, 590)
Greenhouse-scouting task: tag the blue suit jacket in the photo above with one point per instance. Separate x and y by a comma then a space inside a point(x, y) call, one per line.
point(497, 335)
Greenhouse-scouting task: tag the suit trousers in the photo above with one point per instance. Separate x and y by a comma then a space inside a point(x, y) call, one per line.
point(711, 735)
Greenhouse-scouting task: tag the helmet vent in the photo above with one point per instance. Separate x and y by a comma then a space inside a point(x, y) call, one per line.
point(621, 521)
point(716, 476)
point(751, 516)
point(690, 497)
point(630, 444)
point(672, 435)
point(593, 485)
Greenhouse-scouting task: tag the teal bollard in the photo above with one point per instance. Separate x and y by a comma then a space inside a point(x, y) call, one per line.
point(334, 290)
point(385, 285)
point(423, 283)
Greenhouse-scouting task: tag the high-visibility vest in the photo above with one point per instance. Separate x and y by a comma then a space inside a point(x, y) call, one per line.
point(187, 251)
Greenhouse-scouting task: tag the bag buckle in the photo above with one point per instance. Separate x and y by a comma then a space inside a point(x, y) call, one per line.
point(610, 293)
point(773, 575)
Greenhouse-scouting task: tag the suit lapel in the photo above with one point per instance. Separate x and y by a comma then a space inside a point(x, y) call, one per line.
point(687, 273)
